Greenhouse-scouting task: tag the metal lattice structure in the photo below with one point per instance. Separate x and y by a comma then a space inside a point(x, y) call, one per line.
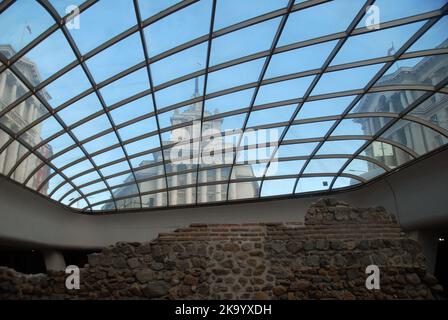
point(343, 101)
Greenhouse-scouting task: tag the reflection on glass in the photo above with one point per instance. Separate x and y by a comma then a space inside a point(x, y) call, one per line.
point(360, 126)
point(386, 101)
point(243, 190)
point(11, 88)
point(415, 136)
point(417, 71)
point(364, 169)
point(387, 154)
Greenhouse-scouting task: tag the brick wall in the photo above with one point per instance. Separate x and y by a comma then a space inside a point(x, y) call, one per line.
point(323, 258)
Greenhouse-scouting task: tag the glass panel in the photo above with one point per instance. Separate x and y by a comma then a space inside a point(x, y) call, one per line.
point(170, 31)
point(184, 196)
point(284, 90)
point(340, 147)
point(142, 145)
point(433, 38)
point(102, 142)
point(254, 155)
point(66, 87)
point(434, 110)
point(47, 58)
point(229, 102)
point(343, 182)
point(243, 190)
point(54, 182)
point(277, 187)
point(375, 44)
point(147, 159)
point(244, 42)
point(295, 150)
point(138, 128)
point(4, 137)
point(387, 101)
point(126, 87)
point(63, 6)
point(323, 108)
point(99, 197)
point(109, 156)
point(115, 168)
point(351, 79)
point(303, 59)
point(229, 12)
point(104, 207)
point(179, 64)
point(129, 203)
point(94, 126)
point(152, 185)
point(80, 109)
point(418, 71)
point(93, 187)
point(283, 168)
point(86, 178)
point(182, 179)
point(41, 131)
point(309, 130)
point(313, 184)
point(223, 79)
point(106, 21)
point(61, 191)
point(154, 200)
point(68, 157)
point(415, 136)
point(24, 114)
point(325, 165)
point(21, 23)
point(364, 169)
point(27, 166)
point(13, 89)
point(182, 91)
point(387, 154)
point(212, 193)
point(213, 175)
point(147, 173)
point(77, 168)
point(272, 115)
point(38, 178)
point(124, 178)
point(248, 171)
point(119, 57)
point(320, 20)
point(269, 136)
point(391, 10)
point(56, 145)
point(360, 126)
point(150, 8)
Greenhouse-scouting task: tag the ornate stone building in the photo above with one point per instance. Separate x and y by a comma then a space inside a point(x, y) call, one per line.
point(11, 88)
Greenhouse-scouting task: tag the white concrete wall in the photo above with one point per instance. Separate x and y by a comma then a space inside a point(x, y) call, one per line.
point(418, 195)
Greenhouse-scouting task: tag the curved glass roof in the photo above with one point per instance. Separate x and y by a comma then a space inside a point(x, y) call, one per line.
point(134, 104)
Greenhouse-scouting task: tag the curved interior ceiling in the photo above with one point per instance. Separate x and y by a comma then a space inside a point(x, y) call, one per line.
point(110, 109)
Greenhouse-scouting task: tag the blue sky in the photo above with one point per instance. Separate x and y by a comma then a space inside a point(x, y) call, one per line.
point(109, 18)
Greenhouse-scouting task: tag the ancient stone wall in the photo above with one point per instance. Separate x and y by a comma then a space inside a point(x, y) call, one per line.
point(324, 258)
